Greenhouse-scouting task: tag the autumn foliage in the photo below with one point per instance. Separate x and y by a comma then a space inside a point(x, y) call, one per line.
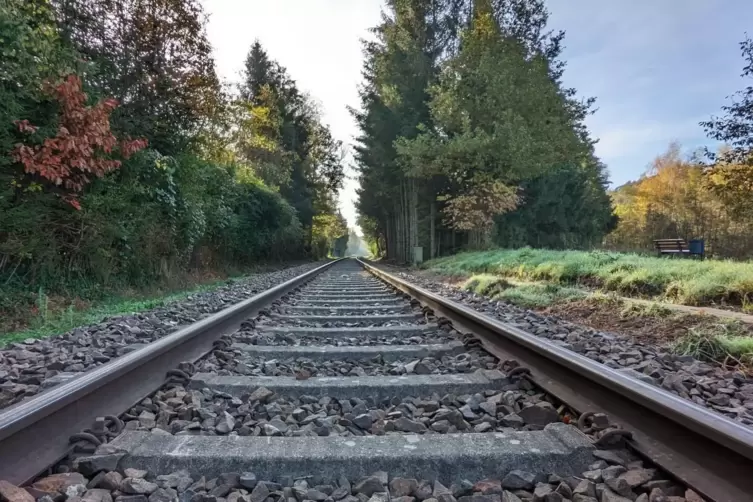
point(83, 145)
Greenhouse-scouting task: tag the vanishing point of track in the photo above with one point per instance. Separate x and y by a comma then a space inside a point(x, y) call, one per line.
point(376, 315)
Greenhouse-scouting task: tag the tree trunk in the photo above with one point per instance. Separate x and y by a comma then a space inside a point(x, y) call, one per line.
point(400, 223)
point(413, 219)
point(432, 230)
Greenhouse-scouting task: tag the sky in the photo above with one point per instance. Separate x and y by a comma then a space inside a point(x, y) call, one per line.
point(655, 67)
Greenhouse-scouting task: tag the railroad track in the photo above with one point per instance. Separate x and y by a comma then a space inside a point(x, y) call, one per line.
point(350, 384)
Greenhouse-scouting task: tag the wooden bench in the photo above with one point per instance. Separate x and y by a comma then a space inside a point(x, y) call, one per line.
point(678, 247)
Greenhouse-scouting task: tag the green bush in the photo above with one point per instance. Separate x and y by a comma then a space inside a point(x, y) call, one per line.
point(148, 223)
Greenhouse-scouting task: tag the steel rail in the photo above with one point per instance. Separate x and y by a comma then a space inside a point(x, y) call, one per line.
point(34, 434)
point(702, 449)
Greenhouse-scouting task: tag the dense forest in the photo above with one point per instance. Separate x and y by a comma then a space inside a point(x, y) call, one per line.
point(469, 139)
point(126, 162)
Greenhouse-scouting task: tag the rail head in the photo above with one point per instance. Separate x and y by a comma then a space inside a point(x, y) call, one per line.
point(22, 426)
point(632, 400)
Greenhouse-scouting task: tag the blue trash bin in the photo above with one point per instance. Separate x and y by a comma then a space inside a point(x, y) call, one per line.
point(696, 247)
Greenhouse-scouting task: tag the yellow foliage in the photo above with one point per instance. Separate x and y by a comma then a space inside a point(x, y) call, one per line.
point(674, 199)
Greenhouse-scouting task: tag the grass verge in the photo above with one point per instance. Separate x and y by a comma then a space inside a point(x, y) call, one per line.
point(729, 344)
point(526, 295)
point(48, 320)
point(690, 282)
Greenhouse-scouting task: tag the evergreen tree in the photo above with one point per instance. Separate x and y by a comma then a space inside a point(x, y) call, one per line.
point(286, 141)
point(462, 103)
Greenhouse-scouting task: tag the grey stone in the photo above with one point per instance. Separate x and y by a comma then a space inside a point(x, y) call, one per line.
point(315, 495)
point(225, 423)
point(248, 480)
point(164, 495)
point(231, 479)
point(609, 496)
point(383, 476)
point(477, 497)
point(441, 426)
point(137, 486)
point(259, 493)
point(512, 420)
point(261, 394)
point(369, 485)
point(489, 408)
point(220, 490)
point(340, 493)
point(539, 414)
point(147, 419)
point(97, 495)
point(585, 487)
point(438, 489)
point(423, 491)
point(564, 490)
point(483, 427)
point(180, 480)
point(130, 472)
point(542, 492)
point(131, 498)
point(620, 486)
point(363, 421)
point(91, 465)
point(509, 497)
point(73, 491)
point(380, 497)
point(406, 425)
point(612, 472)
point(403, 487)
point(110, 481)
point(519, 480)
point(344, 482)
point(487, 486)
point(609, 456)
point(638, 477)
point(593, 476)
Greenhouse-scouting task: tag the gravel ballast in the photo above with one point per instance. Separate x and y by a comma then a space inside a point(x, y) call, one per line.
point(261, 421)
point(31, 366)
point(727, 392)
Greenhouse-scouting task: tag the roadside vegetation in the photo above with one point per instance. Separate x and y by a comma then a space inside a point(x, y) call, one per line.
point(726, 343)
point(125, 169)
point(690, 282)
point(721, 341)
point(527, 295)
point(56, 315)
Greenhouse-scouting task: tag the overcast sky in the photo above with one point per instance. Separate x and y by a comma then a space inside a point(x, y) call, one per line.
point(656, 67)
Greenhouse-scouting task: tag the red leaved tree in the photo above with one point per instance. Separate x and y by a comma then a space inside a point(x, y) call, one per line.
point(81, 148)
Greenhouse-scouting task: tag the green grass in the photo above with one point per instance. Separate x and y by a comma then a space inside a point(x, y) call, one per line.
point(636, 310)
point(728, 343)
point(690, 282)
point(48, 323)
point(526, 295)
